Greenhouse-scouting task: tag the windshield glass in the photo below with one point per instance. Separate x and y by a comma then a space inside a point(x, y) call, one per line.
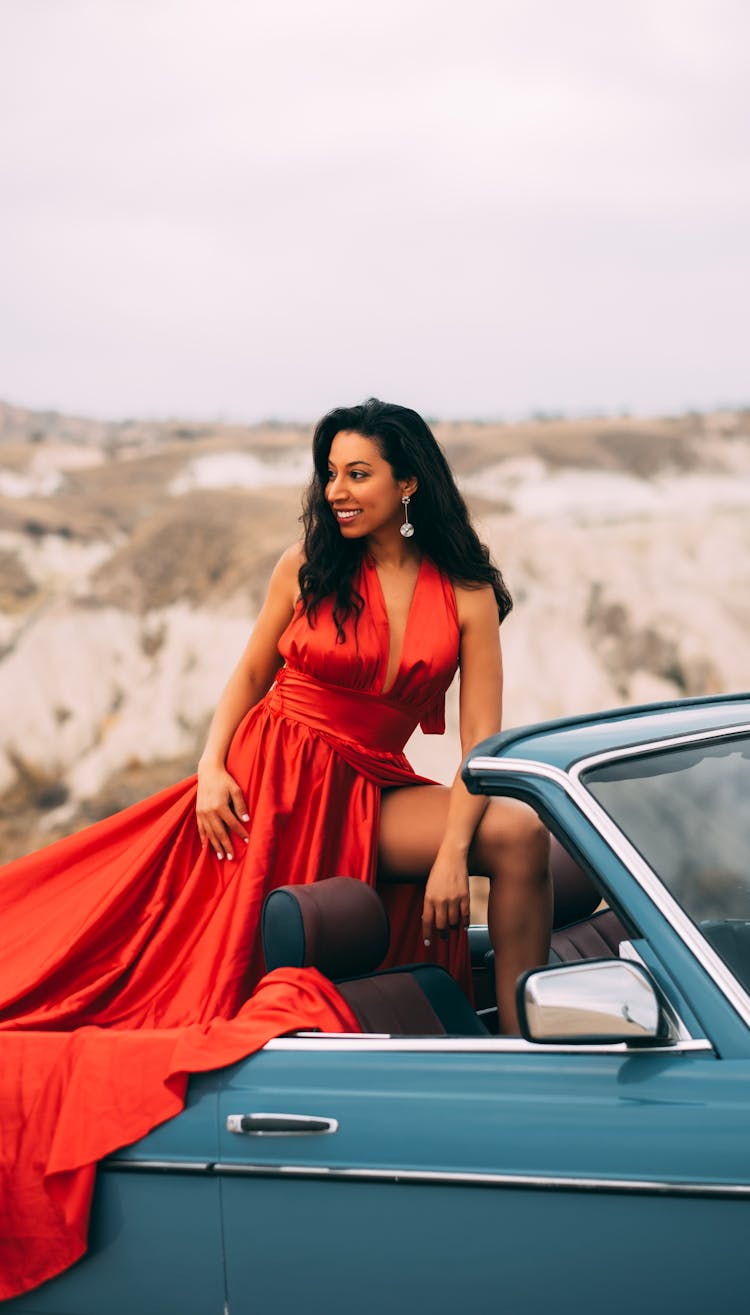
point(687, 811)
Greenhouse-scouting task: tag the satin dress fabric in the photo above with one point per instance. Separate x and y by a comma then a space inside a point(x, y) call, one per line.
point(128, 951)
point(131, 923)
point(68, 1099)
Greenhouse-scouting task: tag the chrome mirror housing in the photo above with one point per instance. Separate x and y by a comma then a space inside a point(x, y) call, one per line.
point(596, 1000)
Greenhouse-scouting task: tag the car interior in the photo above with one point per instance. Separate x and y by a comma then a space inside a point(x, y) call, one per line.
point(340, 927)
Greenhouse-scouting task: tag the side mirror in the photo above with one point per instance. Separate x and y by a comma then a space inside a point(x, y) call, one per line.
point(596, 1000)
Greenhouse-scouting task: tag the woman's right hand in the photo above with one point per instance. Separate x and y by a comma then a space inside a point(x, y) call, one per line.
point(220, 810)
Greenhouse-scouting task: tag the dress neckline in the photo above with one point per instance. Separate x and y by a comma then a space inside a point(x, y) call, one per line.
point(370, 562)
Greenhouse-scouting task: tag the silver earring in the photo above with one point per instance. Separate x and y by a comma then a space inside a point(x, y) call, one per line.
point(407, 529)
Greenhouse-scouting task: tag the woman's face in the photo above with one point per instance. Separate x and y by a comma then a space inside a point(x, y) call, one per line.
point(362, 492)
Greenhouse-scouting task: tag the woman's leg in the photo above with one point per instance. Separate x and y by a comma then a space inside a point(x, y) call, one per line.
point(511, 847)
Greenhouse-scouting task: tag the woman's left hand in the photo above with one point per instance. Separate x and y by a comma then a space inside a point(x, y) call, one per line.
point(446, 896)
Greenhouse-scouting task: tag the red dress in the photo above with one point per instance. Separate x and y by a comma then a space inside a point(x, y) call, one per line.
point(132, 924)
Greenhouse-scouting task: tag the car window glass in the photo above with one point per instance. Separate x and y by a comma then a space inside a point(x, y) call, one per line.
point(687, 811)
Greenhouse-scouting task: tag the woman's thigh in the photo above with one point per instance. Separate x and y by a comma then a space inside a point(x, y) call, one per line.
point(412, 826)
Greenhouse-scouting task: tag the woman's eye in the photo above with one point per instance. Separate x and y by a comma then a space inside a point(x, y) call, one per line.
point(353, 474)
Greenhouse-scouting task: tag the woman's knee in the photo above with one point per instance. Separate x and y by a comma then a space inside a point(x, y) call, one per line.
point(511, 833)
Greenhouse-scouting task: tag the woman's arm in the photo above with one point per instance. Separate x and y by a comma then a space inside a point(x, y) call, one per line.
point(220, 807)
point(446, 903)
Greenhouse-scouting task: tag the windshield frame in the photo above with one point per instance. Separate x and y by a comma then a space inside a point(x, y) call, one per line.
point(644, 873)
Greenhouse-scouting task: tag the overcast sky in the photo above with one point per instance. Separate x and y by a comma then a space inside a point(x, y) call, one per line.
point(223, 208)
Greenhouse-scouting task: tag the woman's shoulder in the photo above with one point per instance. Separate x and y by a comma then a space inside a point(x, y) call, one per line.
point(475, 602)
point(285, 574)
point(291, 559)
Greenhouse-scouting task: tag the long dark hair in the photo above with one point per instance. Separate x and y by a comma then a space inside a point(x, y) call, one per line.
point(444, 529)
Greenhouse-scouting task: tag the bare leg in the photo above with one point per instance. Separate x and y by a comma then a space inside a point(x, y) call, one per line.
point(511, 847)
point(516, 849)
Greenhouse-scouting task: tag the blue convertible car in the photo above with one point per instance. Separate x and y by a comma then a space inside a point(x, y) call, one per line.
point(602, 1163)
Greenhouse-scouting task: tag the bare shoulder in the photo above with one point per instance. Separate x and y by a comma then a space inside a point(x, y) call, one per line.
point(292, 558)
point(285, 574)
point(476, 606)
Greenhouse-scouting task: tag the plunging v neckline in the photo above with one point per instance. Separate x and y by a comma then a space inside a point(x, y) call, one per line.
point(386, 693)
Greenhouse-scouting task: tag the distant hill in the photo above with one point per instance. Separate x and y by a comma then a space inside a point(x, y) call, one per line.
point(134, 556)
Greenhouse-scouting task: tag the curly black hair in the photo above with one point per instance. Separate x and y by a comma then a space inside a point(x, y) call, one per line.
point(446, 534)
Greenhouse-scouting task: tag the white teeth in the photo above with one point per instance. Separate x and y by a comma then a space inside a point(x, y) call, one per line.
point(346, 515)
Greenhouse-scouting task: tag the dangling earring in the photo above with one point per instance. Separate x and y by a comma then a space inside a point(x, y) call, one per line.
point(407, 529)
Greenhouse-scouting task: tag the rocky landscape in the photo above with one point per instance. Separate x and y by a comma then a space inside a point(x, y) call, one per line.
point(134, 555)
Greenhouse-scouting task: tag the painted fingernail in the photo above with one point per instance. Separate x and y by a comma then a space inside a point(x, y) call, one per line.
point(246, 840)
point(219, 854)
point(229, 855)
point(427, 942)
point(245, 817)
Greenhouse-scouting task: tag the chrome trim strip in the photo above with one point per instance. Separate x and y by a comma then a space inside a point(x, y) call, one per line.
point(495, 766)
point(158, 1166)
point(543, 1182)
point(649, 746)
point(618, 842)
point(355, 1043)
point(427, 1177)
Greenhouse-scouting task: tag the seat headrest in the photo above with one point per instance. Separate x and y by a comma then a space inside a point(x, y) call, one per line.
point(337, 925)
point(576, 897)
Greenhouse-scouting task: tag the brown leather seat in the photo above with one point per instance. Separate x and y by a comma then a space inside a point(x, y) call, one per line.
point(340, 927)
point(576, 896)
point(578, 931)
point(597, 937)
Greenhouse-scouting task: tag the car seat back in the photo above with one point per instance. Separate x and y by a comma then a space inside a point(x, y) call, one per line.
point(340, 927)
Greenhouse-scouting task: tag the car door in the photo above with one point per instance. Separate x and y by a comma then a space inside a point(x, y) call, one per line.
point(484, 1174)
point(155, 1238)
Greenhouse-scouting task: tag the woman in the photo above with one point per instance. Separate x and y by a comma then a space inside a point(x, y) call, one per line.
point(150, 921)
point(361, 554)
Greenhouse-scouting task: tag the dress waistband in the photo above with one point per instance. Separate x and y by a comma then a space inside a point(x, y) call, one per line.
point(351, 715)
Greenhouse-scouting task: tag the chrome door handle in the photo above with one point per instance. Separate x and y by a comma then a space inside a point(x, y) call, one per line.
point(279, 1125)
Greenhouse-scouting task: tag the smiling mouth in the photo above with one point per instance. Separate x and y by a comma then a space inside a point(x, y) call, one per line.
point(344, 517)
